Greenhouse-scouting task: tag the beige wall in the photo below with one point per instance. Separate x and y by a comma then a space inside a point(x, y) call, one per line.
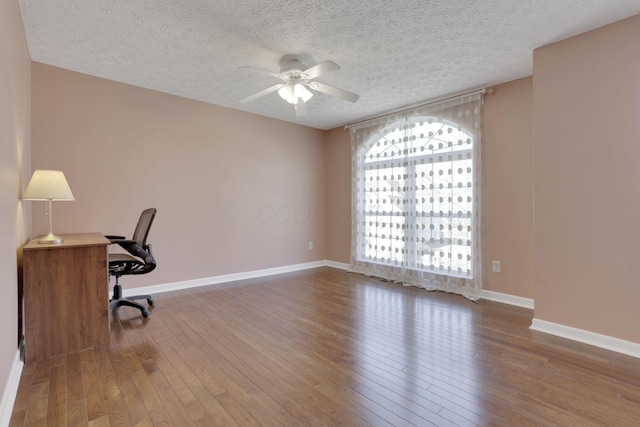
point(339, 195)
point(508, 169)
point(587, 180)
point(508, 179)
point(235, 192)
point(14, 169)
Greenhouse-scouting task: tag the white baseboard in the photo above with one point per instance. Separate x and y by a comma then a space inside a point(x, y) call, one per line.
point(507, 299)
point(226, 278)
point(214, 280)
point(11, 390)
point(338, 265)
point(598, 340)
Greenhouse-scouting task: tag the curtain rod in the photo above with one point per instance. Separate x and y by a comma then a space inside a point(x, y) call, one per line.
point(483, 91)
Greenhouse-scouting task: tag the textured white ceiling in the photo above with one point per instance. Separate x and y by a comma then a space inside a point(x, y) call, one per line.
point(393, 53)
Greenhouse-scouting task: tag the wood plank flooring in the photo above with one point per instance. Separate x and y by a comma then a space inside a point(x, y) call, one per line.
point(328, 348)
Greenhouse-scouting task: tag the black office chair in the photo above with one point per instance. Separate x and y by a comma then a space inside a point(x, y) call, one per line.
point(138, 260)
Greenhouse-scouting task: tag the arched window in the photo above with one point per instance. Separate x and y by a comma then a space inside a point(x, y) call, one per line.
point(418, 209)
point(416, 199)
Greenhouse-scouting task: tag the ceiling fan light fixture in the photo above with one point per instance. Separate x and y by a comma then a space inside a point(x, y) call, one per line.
point(302, 92)
point(293, 92)
point(286, 93)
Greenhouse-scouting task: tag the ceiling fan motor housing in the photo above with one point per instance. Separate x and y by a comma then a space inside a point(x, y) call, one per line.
point(293, 67)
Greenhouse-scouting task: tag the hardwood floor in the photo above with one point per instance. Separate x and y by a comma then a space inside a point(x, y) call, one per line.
point(328, 348)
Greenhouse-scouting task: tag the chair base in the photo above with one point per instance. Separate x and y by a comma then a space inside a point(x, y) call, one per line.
point(118, 301)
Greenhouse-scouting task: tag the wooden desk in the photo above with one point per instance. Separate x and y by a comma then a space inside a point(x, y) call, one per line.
point(66, 295)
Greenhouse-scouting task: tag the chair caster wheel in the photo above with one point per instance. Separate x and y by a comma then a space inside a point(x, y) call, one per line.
point(150, 302)
point(145, 314)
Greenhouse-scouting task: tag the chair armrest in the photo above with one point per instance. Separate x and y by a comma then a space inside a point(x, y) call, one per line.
point(129, 245)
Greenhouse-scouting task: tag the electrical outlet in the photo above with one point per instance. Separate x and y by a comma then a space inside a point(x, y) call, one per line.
point(497, 266)
point(310, 245)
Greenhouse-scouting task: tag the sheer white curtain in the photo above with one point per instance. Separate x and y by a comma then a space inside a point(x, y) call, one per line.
point(417, 196)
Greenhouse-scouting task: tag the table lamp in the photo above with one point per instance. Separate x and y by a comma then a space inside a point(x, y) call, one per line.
point(51, 186)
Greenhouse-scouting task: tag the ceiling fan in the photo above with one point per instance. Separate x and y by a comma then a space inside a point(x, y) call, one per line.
point(297, 80)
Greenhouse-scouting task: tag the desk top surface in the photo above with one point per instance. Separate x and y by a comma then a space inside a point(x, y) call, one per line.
point(70, 241)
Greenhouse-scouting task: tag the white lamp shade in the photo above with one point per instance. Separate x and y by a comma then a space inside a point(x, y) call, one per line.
point(286, 93)
point(48, 185)
point(293, 92)
point(302, 92)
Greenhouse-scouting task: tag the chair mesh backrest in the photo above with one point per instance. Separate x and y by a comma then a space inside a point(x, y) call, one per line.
point(144, 224)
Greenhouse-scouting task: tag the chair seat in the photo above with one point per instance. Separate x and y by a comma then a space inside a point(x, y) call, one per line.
point(123, 258)
point(121, 264)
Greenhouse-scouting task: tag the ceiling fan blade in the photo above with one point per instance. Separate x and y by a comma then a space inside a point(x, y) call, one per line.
point(262, 93)
point(334, 91)
point(320, 69)
point(301, 109)
point(260, 70)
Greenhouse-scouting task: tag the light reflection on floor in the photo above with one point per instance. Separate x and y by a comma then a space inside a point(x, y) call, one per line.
point(419, 333)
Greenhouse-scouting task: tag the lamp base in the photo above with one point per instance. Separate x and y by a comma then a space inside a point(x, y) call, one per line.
point(50, 239)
